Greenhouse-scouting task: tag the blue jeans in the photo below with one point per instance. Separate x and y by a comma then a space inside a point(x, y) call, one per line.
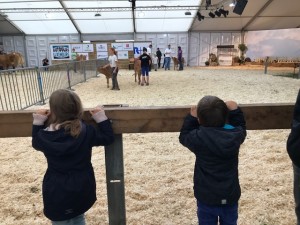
point(297, 192)
point(210, 215)
point(78, 220)
point(167, 63)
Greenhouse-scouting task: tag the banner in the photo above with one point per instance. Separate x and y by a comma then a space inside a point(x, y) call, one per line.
point(77, 47)
point(138, 48)
point(122, 54)
point(101, 47)
point(87, 48)
point(60, 52)
point(102, 55)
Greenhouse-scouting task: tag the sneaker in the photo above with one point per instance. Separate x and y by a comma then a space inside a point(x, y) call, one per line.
point(142, 84)
point(147, 84)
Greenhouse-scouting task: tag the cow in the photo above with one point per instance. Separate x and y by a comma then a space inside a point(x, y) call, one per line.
point(13, 60)
point(137, 70)
point(16, 59)
point(176, 62)
point(106, 70)
point(79, 61)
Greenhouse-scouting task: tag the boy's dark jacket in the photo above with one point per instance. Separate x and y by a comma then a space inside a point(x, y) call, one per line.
point(69, 187)
point(216, 179)
point(293, 142)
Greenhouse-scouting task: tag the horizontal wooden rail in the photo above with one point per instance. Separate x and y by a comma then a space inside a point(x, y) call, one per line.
point(155, 119)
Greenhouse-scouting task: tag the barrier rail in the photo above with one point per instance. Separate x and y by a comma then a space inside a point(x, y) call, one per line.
point(144, 120)
point(22, 88)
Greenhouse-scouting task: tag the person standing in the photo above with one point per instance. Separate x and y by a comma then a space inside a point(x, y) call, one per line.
point(214, 131)
point(74, 58)
point(293, 149)
point(149, 52)
point(158, 54)
point(145, 64)
point(113, 62)
point(154, 61)
point(167, 58)
point(45, 63)
point(69, 186)
point(179, 56)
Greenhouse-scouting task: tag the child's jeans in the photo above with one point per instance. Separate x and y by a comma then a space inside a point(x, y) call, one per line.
point(297, 192)
point(210, 215)
point(78, 220)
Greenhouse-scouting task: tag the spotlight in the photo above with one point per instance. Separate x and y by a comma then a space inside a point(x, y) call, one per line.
point(224, 12)
point(211, 14)
point(217, 12)
point(97, 14)
point(187, 13)
point(200, 17)
point(232, 4)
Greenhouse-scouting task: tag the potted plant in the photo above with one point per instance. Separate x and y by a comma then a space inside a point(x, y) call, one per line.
point(243, 48)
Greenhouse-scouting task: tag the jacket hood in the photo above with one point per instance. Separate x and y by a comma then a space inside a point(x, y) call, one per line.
point(58, 143)
point(222, 142)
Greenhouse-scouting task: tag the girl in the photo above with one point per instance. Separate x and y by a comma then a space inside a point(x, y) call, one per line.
point(113, 62)
point(69, 187)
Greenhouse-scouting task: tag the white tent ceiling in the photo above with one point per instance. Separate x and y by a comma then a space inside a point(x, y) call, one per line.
point(79, 17)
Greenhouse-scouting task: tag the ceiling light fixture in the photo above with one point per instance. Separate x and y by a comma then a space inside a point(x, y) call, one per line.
point(97, 14)
point(188, 13)
point(141, 14)
point(200, 17)
point(232, 4)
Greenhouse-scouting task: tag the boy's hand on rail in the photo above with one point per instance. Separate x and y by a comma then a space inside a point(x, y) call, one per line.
point(231, 105)
point(194, 111)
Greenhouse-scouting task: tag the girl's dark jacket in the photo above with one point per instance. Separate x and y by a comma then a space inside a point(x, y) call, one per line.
point(293, 142)
point(69, 187)
point(216, 179)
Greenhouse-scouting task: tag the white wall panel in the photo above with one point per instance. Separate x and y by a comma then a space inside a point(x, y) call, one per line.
point(74, 39)
point(214, 41)
point(162, 42)
point(53, 39)
point(64, 39)
point(204, 49)
point(140, 37)
point(31, 45)
point(42, 49)
point(226, 39)
point(8, 44)
point(194, 49)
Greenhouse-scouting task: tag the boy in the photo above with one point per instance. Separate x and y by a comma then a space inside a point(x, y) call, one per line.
point(145, 63)
point(216, 146)
point(293, 148)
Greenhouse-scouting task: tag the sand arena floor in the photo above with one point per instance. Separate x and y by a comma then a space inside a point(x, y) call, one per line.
point(158, 170)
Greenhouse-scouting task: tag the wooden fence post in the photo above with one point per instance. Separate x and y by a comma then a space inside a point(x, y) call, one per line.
point(115, 181)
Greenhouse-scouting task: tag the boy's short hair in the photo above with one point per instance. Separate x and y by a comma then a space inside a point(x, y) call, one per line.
point(212, 111)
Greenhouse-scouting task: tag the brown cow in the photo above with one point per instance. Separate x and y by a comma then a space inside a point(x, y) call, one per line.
point(106, 70)
point(13, 60)
point(176, 62)
point(137, 69)
point(80, 58)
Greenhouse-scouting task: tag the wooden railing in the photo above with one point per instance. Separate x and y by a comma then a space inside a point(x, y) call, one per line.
point(144, 120)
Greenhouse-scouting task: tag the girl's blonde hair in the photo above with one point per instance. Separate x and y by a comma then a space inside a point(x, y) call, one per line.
point(66, 110)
